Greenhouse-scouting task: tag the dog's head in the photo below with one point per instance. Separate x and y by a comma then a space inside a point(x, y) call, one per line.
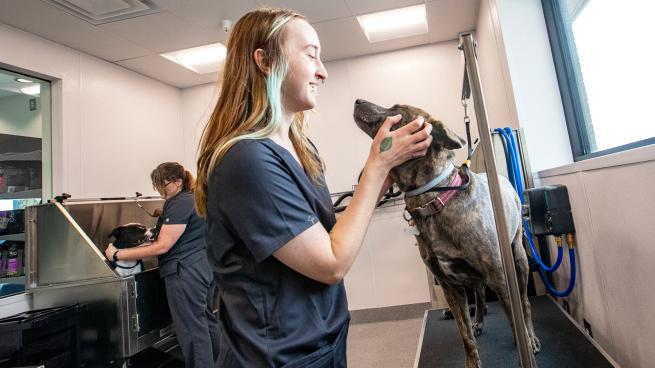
point(369, 118)
point(131, 235)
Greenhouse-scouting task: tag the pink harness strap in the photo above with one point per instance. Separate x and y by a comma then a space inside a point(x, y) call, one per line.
point(437, 204)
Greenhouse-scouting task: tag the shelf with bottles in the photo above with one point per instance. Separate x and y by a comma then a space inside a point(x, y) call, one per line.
point(14, 280)
point(13, 237)
point(24, 194)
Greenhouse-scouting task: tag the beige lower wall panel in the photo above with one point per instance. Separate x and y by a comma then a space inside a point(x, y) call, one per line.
point(622, 206)
point(613, 209)
point(389, 270)
point(586, 300)
point(360, 281)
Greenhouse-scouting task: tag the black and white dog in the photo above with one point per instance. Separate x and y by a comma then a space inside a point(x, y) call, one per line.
point(130, 236)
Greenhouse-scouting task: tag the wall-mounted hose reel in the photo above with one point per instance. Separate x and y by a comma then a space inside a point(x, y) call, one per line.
point(546, 211)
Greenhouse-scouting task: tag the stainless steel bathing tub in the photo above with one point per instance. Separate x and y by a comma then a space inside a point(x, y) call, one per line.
point(121, 316)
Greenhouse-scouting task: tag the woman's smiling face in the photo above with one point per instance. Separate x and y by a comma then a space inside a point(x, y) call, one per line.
point(305, 69)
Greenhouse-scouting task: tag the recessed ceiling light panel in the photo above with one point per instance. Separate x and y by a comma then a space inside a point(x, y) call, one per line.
point(34, 90)
point(392, 24)
point(99, 12)
point(202, 59)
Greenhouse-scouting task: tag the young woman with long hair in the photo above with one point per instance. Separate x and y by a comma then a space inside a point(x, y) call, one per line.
point(278, 253)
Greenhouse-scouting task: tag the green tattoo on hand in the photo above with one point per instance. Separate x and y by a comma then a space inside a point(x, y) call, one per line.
point(385, 145)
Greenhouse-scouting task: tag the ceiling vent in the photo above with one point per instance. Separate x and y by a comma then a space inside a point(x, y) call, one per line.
point(99, 12)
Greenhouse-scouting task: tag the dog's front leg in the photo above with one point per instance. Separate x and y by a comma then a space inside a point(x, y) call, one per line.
point(456, 297)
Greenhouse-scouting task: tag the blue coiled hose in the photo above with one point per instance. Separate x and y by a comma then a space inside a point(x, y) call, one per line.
point(514, 173)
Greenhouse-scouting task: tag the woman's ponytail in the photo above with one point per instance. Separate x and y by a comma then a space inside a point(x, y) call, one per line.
point(189, 181)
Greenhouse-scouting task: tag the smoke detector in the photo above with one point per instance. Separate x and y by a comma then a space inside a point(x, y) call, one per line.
point(226, 25)
point(99, 12)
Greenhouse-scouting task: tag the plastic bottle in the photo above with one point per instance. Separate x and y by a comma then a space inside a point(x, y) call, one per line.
point(12, 261)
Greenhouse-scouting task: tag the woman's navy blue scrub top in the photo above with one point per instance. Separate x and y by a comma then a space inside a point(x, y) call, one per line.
point(258, 199)
point(180, 210)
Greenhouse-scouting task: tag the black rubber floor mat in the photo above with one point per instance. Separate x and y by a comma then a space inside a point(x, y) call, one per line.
point(562, 344)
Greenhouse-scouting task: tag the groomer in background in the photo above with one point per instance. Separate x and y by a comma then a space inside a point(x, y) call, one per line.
point(183, 265)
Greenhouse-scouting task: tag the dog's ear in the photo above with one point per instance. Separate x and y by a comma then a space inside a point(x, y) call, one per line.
point(116, 232)
point(445, 137)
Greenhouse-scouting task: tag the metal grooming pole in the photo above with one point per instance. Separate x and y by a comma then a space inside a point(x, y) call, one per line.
point(473, 85)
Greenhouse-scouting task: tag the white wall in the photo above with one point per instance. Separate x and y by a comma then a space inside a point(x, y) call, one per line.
point(494, 73)
point(534, 83)
point(111, 126)
point(519, 81)
point(197, 106)
point(388, 270)
point(16, 117)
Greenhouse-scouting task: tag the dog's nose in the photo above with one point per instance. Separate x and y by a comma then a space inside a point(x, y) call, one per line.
point(359, 101)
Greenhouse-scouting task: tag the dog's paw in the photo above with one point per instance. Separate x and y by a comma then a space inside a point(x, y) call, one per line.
point(536, 344)
point(477, 329)
point(473, 363)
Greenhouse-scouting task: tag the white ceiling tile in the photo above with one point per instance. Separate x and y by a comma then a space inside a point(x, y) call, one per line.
point(163, 32)
point(56, 25)
point(156, 67)
point(400, 43)
point(341, 38)
point(446, 18)
point(314, 10)
point(137, 42)
point(208, 13)
point(359, 7)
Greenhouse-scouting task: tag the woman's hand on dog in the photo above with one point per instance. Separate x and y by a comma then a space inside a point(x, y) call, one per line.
point(109, 252)
point(392, 148)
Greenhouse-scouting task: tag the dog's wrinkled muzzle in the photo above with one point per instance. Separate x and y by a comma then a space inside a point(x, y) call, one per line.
point(368, 116)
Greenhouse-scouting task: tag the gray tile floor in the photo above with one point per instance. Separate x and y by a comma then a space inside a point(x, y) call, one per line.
point(388, 344)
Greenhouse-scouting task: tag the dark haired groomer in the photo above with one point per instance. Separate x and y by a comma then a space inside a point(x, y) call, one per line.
point(181, 250)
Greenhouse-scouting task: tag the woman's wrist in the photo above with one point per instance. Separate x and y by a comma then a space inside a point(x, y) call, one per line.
point(373, 177)
point(376, 169)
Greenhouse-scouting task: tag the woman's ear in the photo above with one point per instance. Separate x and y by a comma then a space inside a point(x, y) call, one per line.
point(260, 60)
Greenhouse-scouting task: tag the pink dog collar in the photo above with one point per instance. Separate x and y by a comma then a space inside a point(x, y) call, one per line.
point(438, 203)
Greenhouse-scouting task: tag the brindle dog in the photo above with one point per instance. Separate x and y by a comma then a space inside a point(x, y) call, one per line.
point(459, 244)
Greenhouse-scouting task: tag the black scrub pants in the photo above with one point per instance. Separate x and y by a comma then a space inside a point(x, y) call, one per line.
point(189, 292)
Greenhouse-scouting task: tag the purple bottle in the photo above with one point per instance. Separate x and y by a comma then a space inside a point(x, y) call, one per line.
point(12, 261)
